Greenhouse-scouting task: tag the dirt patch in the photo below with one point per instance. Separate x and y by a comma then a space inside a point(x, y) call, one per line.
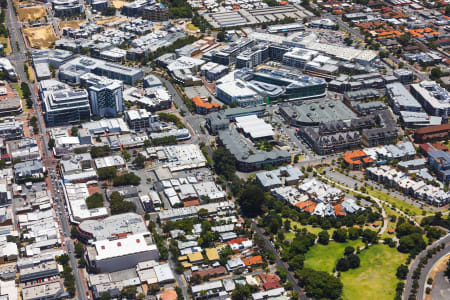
point(92, 189)
point(107, 20)
point(75, 24)
point(118, 3)
point(42, 36)
point(33, 13)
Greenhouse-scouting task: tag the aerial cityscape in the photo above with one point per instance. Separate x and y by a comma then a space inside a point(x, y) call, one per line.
point(219, 149)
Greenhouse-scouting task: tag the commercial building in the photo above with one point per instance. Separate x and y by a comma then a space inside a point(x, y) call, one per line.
point(46, 291)
point(405, 76)
point(281, 28)
point(298, 57)
point(72, 70)
point(254, 127)
point(246, 158)
point(316, 112)
point(440, 162)
point(66, 7)
point(10, 129)
point(245, 17)
point(62, 105)
point(105, 95)
point(7, 68)
point(413, 119)
point(148, 9)
point(251, 87)
point(401, 99)
point(330, 143)
point(204, 107)
point(181, 134)
point(229, 54)
point(76, 195)
point(38, 271)
point(279, 177)
point(111, 227)
point(434, 98)
point(432, 133)
point(140, 119)
point(122, 253)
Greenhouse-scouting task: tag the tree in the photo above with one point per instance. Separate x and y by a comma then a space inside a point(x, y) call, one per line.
point(224, 163)
point(105, 296)
point(436, 73)
point(63, 259)
point(79, 249)
point(74, 232)
point(94, 201)
point(106, 173)
point(297, 262)
point(412, 243)
point(340, 235)
point(126, 155)
point(369, 236)
point(342, 264)
point(243, 292)
point(127, 179)
point(221, 36)
point(252, 201)
point(139, 161)
point(51, 143)
point(402, 272)
point(74, 131)
point(119, 205)
point(353, 261)
point(319, 284)
point(349, 250)
point(324, 237)
point(128, 292)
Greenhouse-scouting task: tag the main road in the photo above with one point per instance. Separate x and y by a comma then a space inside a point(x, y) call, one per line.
point(18, 58)
point(426, 270)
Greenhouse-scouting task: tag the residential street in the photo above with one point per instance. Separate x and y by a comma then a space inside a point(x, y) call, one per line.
point(279, 262)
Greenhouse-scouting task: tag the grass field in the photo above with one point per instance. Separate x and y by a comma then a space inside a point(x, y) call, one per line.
point(17, 88)
point(192, 27)
point(118, 3)
point(375, 278)
point(310, 228)
point(75, 24)
point(42, 36)
point(32, 13)
point(391, 225)
point(324, 257)
point(6, 45)
point(400, 204)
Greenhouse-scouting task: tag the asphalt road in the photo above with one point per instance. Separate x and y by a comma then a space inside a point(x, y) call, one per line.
point(18, 58)
point(426, 269)
point(281, 263)
point(441, 287)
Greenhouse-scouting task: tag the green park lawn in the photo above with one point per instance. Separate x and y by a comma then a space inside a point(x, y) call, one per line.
point(400, 204)
point(375, 278)
point(310, 228)
point(324, 257)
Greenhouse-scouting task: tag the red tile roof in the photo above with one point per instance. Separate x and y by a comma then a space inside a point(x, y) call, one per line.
point(253, 260)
